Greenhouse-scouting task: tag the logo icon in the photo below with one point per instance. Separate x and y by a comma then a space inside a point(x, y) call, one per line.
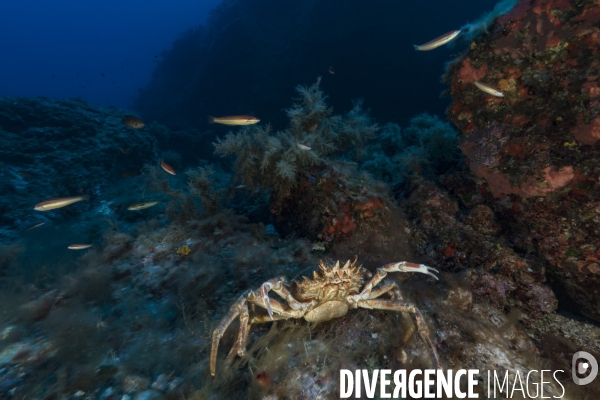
point(581, 363)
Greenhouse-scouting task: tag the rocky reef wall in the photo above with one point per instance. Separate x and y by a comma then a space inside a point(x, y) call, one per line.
point(533, 154)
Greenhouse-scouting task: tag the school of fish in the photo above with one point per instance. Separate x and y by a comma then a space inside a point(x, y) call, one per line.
point(231, 120)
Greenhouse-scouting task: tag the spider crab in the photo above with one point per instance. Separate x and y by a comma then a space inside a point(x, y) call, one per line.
point(328, 295)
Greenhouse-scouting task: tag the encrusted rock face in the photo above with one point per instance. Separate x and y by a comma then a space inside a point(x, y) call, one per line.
point(347, 212)
point(534, 152)
point(60, 148)
point(472, 243)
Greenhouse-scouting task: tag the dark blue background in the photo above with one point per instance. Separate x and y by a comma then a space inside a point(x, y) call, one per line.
point(105, 51)
point(53, 48)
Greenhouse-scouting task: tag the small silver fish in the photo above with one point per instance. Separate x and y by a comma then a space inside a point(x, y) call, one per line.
point(488, 89)
point(142, 206)
point(303, 147)
point(79, 246)
point(240, 187)
point(34, 226)
point(437, 42)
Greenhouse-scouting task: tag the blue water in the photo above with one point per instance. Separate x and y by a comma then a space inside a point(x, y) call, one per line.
point(100, 51)
point(104, 51)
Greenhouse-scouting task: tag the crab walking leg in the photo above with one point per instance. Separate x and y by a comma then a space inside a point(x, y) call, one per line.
point(385, 288)
point(239, 346)
point(396, 295)
point(410, 308)
point(222, 327)
point(403, 266)
point(279, 311)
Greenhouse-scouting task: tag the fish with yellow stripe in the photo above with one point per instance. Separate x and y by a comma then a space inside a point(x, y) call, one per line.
point(58, 203)
point(236, 120)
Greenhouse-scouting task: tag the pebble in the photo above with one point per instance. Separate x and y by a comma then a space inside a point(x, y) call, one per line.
point(107, 393)
point(148, 395)
point(10, 333)
point(403, 357)
point(133, 383)
point(178, 388)
point(161, 383)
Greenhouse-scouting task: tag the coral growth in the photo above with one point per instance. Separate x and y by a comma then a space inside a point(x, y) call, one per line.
point(427, 147)
point(310, 192)
point(276, 162)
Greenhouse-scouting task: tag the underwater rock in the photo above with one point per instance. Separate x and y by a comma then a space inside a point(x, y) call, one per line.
point(134, 383)
point(58, 148)
point(39, 308)
point(25, 352)
point(148, 395)
point(584, 335)
point(344, 210)
point(534, 152)
point(161, 383)
point(473, 243)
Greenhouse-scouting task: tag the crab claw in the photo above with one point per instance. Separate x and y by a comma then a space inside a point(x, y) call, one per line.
point(264, 291)
point(405, 266)
point(428, 270)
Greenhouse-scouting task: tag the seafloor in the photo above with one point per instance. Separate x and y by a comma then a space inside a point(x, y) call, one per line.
point(503, 200)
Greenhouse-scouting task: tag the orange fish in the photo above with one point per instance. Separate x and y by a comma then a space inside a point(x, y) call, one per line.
point(133, 122)
point(168, 169)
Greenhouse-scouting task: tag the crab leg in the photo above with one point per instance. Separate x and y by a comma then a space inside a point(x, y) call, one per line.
point(396, 295)
point(245, 323)
point(240, 344)
point(235, 310)
point(385, 288)
point(410, 308)
point(240, 308)
point(403, 266)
